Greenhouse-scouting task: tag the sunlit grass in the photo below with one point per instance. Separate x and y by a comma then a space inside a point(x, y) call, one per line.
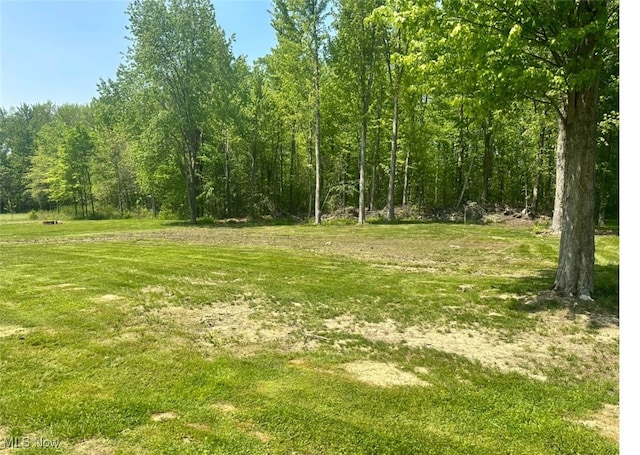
point(110, 339)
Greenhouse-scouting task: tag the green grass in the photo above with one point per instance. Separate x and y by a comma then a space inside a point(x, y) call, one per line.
point(150, 337)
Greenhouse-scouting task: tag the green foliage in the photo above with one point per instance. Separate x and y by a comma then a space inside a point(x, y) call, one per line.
point(189, 129)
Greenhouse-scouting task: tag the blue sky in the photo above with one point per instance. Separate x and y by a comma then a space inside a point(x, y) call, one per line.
point(59, 49)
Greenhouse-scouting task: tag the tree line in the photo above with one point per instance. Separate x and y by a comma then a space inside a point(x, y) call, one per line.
point(371, 104)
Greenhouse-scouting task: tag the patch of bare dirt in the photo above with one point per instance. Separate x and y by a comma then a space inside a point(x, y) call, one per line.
point(226, 408)
point(382, 374)
point(237, 327)
point(108, 298)
point(10, 330)
point(154, 289)
point(606, 422)
point(164, 416)
point(93, 447)
point(565, 340)
point(199, 426)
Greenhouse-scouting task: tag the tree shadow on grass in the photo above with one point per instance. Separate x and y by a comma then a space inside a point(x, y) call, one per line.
point(603, 310)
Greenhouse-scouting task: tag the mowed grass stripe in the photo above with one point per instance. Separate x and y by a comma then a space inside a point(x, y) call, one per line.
point(100, 363)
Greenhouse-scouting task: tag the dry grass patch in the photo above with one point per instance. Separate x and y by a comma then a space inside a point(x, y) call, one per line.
point(108, 298)
point(93, 447)
point(226, 408)
point(565, 340)
point(164, 416)
point(236, 326)
point(606, 422)
point(382, 374)
point(10, 330)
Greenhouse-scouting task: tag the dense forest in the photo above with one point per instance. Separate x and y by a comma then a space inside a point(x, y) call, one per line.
point(364, 104)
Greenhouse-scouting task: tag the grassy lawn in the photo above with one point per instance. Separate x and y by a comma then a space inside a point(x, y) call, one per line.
point(144, 337)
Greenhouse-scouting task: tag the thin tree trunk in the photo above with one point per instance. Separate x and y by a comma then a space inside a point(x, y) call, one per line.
point(91, 201)
point(466, 182)
point(487, 162)
point(362, 164)
point(291, 169)
point(227, 176)
point(436, 181)
point(191, 142)
point(561, 146)
point(252, 183)
point(391, 215)
point(310, 176)
point(316, 88)
point(345, 174)
point(405, 184)
point(374, 166)
point(461, 150)
point(538, 170)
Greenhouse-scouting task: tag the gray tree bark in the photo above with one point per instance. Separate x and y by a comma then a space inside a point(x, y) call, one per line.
point(561, 145)
point(576, 262)
point(391, 215)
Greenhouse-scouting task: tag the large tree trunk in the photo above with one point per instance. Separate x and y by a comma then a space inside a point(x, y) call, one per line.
point(577, 244)
point(561, 146)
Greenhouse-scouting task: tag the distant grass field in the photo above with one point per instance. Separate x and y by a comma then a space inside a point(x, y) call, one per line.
point(145, 337)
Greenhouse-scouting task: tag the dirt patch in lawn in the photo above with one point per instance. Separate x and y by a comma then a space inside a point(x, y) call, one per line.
point(566, 342)
point(108, 298)
point(93, 447)
point(238, 327)
point(164, 416)
point(382, 374)
point(10, 330)
point(606, 422)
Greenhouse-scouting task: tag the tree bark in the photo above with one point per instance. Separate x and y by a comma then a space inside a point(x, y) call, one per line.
point(227, 176)
point(363, 163)
point(561, 146)
point(191, 142)
point(252, 182)
point(316, 88)
point(292, 207)
point(365, 96)
point(391, 215)
point(538, 170)
point(487, 161)
point(318, 192)
point(310, 175)
point(405, 184)
point(374, 166)
point(577, 244)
